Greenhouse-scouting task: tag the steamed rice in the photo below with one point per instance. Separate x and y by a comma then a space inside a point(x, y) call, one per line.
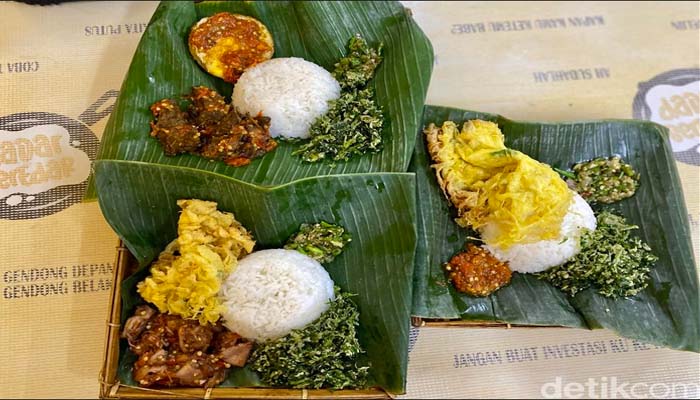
point(291, 91)
point(542, 255)
point(272, 292)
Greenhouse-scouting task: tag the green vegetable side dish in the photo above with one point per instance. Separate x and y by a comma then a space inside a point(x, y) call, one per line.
point(353, 124)
point(611, 260)
point(309, 357)
point(603, 180)
point(357, 68)
point(321, 241)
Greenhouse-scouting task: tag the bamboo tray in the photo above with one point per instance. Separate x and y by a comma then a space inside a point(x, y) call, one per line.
point(111, 388)
point(460, 323)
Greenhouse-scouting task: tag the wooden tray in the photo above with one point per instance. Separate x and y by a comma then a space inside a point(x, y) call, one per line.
point(111, 388)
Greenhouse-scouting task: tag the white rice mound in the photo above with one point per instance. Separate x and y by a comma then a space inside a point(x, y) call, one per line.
point(291, 91)
point(272, 292)
point(539, 256)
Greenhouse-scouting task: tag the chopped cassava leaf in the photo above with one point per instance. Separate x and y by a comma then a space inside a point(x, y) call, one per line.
point(353, 123)
point(616, 264)
point(352, 126)
point(322, 241)
point(322, 354)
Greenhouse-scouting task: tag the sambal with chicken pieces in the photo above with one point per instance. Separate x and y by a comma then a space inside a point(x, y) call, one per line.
point(210, 128)
point(172, 128)
point(173, 351)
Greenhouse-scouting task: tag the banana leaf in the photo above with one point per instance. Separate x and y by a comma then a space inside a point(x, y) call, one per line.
point(666, 313)
point(162, 67)
point(138, 200)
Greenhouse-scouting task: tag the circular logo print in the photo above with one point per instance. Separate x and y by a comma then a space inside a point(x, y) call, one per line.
point(44, 163)
point(672, 99)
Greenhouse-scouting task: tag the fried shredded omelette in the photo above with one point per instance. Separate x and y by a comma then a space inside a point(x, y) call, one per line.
point(504, 194)
point(186, 278)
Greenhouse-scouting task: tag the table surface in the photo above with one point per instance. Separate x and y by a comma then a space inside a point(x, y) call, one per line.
point(525, 60)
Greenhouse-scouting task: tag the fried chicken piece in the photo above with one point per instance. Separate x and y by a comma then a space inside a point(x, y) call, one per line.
point(135, 325)
point(180, 369)
point(211, 128)
point(232, 348)
point(177, 352)
point(207, 110)
point(194, 337)
point(237, 143)
point(171, 127)
point(148, 375)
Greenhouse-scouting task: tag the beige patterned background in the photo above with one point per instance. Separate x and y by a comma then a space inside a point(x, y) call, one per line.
point(525, 60)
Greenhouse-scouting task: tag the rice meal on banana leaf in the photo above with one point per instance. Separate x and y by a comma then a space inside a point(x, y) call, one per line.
point(286, 98)
point(211, 303)
point(528, 218)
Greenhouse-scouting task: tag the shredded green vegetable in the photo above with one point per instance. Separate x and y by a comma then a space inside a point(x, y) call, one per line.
point(353, 123)
point(321, 241)
point(604, 180)
point(611, 260)
point(323, 354)
point(357, 68)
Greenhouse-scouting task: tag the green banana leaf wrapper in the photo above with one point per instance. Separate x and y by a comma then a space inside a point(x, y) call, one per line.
point(665, 314)
point(378, 210)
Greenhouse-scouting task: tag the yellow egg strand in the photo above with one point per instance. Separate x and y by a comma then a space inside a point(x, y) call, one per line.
point(506, 195)
point(209, 244)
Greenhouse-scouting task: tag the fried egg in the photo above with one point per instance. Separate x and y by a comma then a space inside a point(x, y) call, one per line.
point(226, 44)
